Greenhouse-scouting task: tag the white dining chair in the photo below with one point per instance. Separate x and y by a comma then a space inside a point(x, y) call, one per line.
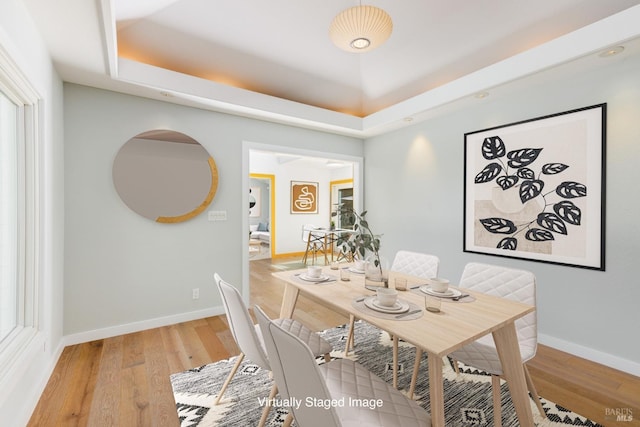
point(248, 337)
point(513, 284)
point(415, 264)
point(315, 243)
point(299, 376)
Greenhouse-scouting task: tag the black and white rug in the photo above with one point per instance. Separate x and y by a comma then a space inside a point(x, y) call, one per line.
point(467, 396)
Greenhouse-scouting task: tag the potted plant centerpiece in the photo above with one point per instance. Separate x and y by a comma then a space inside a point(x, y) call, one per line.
point(364, 245)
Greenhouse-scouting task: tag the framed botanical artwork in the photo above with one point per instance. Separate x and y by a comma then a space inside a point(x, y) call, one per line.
point(304, 197)
point(535, 189)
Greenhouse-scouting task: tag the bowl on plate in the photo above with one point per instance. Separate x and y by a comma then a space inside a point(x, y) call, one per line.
point(439, 284)
point(387, 297)
point(314, 271)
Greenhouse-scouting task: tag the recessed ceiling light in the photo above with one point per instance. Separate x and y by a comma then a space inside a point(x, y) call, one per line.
point(334, 164)
point(408, 119)
point(481, 95)
point(611, 51)
point(166, 94)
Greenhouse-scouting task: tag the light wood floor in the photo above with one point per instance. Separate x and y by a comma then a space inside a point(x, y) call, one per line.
point(124, 381)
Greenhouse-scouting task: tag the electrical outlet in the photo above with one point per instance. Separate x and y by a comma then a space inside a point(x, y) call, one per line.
point(195, 293)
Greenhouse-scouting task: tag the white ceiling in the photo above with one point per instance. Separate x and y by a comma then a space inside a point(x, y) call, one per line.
point(274, 60)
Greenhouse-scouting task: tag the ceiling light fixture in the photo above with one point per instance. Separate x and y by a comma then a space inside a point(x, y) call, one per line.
point(334, 164)
point(360, 28)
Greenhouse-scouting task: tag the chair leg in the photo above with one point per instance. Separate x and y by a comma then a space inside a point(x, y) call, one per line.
point(497, 406)
point(229, 378)
point(533, 392)
point(350, 338)
point(288, 420)
point(306, 254)
point(267, 407)
point(327, 357)
point(456, 368)
point(324, 250)
point(416, 368)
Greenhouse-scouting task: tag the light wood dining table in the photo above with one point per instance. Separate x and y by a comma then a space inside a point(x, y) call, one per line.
point(437, 334)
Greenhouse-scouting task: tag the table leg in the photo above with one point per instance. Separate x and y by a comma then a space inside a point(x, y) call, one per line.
point(289, 300)
point(326, 258)
point(436, 390)
point(506, 341)
point(330, 243)
point(414, 376)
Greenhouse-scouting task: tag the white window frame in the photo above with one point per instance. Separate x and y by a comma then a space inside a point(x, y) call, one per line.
point(17, 88)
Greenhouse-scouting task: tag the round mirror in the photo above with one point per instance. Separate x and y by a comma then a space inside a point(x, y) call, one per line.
point(165, 176)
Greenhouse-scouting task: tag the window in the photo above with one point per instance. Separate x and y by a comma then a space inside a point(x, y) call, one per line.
point(8, 217)
point(19, 121)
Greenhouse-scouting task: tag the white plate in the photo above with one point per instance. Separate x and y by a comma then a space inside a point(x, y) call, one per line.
point(322, 278)
point(399, 307)
point(450, 293)
point(354, 270)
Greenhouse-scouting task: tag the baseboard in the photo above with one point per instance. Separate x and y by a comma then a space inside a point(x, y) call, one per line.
point(288, 255)
point(30, 376)
point(98, 334)
point(603, 358)
point(39, 388)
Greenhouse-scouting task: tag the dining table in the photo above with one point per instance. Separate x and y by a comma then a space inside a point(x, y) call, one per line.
point(438, 334)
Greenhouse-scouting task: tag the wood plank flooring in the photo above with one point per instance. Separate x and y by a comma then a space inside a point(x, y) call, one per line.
point(124, 381)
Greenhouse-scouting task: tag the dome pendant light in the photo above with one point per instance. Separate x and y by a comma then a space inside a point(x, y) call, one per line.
point(360, 28)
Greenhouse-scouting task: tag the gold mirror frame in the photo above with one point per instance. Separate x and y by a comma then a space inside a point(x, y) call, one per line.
point(165, 176)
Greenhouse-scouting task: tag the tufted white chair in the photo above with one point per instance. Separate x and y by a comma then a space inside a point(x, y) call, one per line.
point(517, 285)
point(415, 264)
point(249, 338)
point(299, 376)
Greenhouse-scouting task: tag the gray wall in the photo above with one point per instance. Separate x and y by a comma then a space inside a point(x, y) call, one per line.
point(121, 268)
point(419, 172)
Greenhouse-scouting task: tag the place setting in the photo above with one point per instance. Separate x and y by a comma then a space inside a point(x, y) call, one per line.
point(386, 304)
point(440, 288)
point(314, 275)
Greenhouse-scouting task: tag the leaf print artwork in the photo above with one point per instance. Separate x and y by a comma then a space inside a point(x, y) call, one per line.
point(516, 168)
point(534, 189)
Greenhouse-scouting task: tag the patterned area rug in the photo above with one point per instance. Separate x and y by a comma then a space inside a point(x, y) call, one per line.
point(467, 396)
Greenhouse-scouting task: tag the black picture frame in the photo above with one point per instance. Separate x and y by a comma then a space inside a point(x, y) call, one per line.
point(535, 189)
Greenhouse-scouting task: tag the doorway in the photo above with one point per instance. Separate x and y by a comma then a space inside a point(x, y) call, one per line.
point(287, 165)
point(342, 196)
point(262, 220)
